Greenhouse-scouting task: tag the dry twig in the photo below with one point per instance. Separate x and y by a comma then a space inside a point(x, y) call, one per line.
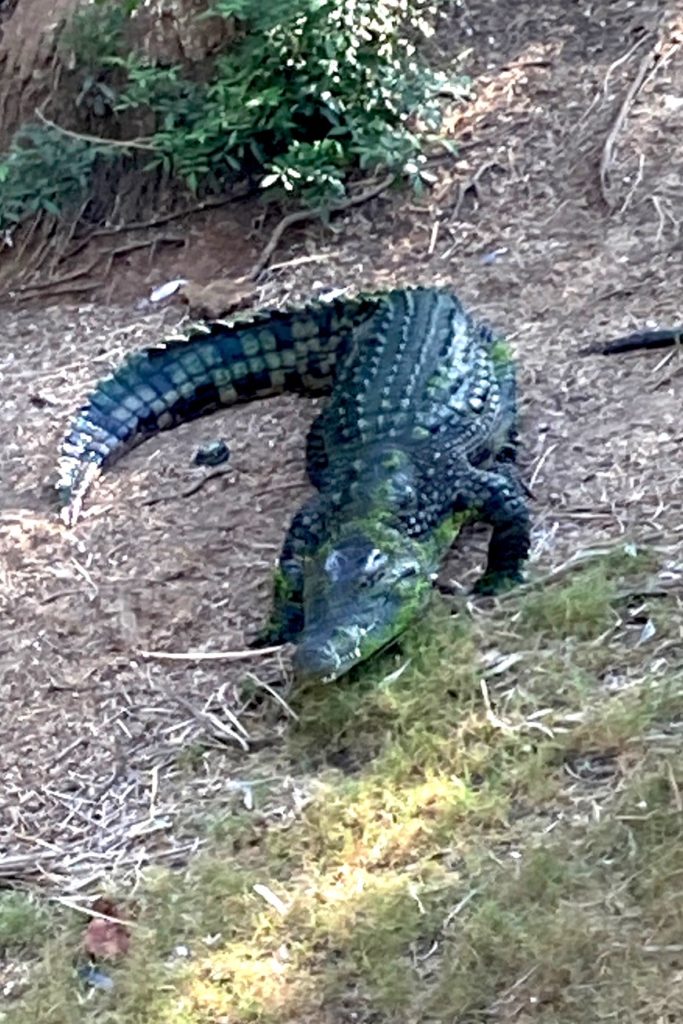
point(211, 655)
point(213, 724)
point(145, 144)
point(159, 498)
point(212, 203)
point(650, 60)
point(298, 216)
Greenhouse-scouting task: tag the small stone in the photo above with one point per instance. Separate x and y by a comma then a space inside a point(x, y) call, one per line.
point(212, 454)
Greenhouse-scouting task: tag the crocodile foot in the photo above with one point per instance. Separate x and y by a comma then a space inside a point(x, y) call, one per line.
point(284, 628)
point(266, 637)
point(492, 583)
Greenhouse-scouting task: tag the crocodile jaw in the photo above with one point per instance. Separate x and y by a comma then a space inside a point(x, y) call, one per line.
point(325, 660)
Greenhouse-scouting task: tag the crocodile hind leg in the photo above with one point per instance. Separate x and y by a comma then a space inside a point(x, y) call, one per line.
point(287, 616)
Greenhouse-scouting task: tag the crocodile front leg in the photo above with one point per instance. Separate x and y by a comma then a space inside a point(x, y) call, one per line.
point(287, 616)
point(496, 498)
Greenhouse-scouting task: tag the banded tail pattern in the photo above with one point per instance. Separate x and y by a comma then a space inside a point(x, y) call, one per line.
point(216, 366)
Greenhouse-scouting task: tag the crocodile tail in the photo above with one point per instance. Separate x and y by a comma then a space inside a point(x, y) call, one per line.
point(666, 338)
point(219, 365)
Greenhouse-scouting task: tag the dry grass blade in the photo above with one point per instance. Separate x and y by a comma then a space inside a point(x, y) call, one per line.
point(213, 724)
point(277, 697)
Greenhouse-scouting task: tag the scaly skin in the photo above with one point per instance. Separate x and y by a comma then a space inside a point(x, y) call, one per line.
point(219, 365)
point(418, 435)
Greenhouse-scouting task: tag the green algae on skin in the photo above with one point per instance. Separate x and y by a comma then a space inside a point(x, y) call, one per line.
point(365, 586)
point(501, 354)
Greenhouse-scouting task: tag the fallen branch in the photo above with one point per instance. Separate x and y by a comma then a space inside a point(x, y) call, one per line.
point(89, 912)
point(96, 139)
point(299, 261)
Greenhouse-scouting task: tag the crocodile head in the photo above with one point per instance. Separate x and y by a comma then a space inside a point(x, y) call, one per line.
point(360, 593)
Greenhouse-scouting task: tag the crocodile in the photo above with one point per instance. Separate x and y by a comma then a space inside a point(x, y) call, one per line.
point(418, 436)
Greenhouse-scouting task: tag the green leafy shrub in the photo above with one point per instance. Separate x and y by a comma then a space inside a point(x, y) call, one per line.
point(310, 90)
point(44, 170)
point(307, 92)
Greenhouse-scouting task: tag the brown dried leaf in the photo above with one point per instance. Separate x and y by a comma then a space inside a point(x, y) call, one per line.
point(106, 939)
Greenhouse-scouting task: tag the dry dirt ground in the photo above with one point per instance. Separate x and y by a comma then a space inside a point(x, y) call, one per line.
point(97, 736)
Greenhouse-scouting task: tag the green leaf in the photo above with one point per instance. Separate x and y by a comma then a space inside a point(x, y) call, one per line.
point(50, 206)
